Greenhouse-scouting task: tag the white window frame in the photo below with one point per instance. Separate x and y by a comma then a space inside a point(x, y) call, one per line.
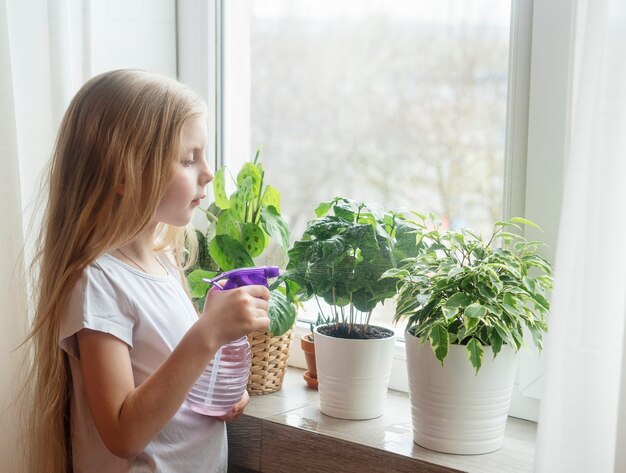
point(199, 59)
point(548, 69)
point(539, 67)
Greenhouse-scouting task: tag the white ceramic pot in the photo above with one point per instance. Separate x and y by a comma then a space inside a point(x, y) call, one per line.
point(455, 410)
point(353, 375)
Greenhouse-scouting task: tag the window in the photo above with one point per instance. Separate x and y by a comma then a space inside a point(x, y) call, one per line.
point(218, 55)
point(399, 103)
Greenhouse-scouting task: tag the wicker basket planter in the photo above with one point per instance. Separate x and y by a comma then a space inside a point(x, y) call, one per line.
point(269, 361)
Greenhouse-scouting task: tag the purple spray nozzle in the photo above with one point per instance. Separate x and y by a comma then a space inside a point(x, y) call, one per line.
point(246, 276)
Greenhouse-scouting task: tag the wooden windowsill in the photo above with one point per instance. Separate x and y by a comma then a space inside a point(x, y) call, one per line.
point(286, 432)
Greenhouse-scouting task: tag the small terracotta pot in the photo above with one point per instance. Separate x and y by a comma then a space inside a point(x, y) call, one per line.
point(308, 347)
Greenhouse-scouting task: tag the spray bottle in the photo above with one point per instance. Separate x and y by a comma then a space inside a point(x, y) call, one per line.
point(224, 381)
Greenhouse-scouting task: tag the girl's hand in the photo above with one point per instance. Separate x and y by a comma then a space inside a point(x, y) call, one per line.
point(237, 409)
point(232, 314)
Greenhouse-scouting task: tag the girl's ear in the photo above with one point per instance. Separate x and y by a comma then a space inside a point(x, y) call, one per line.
point(119, 189)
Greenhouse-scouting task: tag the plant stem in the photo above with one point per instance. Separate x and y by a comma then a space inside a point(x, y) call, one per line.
point(351, 310)
point(392, 245)
point(463, 259)
point(493, 235)
point(209, 215)
point(257, 214)
point(335, 306)
point(320, 308)
point(367, 321)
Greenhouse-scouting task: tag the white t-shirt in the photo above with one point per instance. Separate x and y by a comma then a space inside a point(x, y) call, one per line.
point(150, 314)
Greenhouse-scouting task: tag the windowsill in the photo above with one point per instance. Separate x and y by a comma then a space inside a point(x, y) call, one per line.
point(280, 430)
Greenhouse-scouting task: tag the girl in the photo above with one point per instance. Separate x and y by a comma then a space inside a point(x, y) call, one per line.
point(117, 342)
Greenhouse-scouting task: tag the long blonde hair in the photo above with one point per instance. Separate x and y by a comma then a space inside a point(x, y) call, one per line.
point(122, 127)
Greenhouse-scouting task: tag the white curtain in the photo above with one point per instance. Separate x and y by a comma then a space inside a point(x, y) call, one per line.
point(41, 65)
point(582, 424)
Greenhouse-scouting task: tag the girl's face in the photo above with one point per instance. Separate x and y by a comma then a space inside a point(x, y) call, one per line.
point(191, 175)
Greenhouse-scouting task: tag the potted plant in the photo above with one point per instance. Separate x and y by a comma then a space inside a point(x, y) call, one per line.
point(468, 301)
point(307, 343)
point(241, 226)
point(339, 260)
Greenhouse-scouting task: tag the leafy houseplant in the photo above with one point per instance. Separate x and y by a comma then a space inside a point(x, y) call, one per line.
point(241, 226)
point(464, 290)
point(468, 298)
point(342, 255)
point(339, 260)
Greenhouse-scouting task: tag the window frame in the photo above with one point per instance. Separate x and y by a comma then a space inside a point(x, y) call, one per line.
point(199, 62)
point(536, 128)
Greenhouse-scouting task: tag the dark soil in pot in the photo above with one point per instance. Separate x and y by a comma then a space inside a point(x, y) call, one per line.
point(356, 332)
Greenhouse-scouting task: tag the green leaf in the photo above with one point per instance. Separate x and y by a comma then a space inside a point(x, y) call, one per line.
point(537, 336)
point(449, 312)
point(271, 198)
point(198, 287)
point(524, 221)
point(363, 300)
point(395, 273)
point(281, 313)
point(459, 299)
point(241, 198)
point(363, 236)
point(512, 311)
point(470, 325)
point(323, 208)
point(504, 332)
point(475, 353)
point(509, 236)
point(502, 223)
point(252, 171)
point(542, 301)
point(229, 254)
point(475, 311)
point(332, 248)
point(439, 341)
point(219, 190)
point(275, 227)
point(227, 225)
point(204, 259)
point(460, 238)
point(518, 337)
point(436, 246)
point(408, 240)
point(529, 283)
point(486, 291)
point(422, 217)
point(496, 342)
point(344, 210)
point(326, 227)
point(253, 239)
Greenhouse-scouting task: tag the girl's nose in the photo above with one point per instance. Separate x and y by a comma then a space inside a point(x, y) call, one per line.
point(206, 176)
